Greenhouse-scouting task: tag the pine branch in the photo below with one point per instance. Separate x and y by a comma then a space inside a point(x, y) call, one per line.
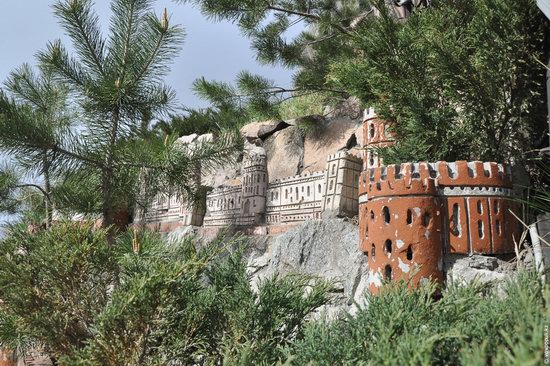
point(81, 23)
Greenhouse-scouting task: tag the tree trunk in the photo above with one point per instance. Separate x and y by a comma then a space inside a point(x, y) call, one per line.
point(47, 188)
point(107, 179)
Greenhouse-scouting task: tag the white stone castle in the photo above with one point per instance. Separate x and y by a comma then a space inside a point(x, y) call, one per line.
point(256, 201)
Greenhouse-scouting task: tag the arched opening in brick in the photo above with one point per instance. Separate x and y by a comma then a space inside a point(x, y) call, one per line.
point(388, 246)
point(371, 130)
point(480, 231)
point(387, 272)
point(372, 215)
point(386, 213)
point(479, 207)
point(427, 218)
point(373, 252)
point(409, 216)
point(409, 253)
point(495, 207)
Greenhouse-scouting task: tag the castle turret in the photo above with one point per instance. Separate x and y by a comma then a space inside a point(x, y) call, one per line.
point(254, 186)
point(376, 134)
point(403, 214)
point(7, 358)
point(341, 184)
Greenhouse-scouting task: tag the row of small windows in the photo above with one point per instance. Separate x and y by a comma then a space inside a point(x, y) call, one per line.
point(255, 178)
point(306, 191)
point(388, 248)
point(387, 217)
point(255, 190)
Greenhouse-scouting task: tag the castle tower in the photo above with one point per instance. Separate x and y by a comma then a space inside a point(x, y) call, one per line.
point(478, 202)
point(412, 214)
point(254, 187)
point(403, 240)
point(341, 184)
point(376, 135)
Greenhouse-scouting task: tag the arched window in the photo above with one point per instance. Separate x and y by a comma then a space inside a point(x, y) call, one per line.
point(308, 191)
point(333, 168)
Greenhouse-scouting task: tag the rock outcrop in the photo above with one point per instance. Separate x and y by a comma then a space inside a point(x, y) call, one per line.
point(323, 248)
point(464, 269)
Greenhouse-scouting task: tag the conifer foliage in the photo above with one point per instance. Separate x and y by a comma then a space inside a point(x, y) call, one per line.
point(115, 86)
point(83, 301)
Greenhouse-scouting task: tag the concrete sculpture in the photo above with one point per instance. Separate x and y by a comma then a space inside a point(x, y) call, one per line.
point(410, 215)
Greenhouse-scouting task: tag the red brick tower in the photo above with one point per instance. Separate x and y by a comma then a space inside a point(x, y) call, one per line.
point(6, 358)
point(376, 134)
point(410, 215)
point(401, 225)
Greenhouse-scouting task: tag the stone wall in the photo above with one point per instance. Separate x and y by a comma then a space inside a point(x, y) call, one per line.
point(295, 199)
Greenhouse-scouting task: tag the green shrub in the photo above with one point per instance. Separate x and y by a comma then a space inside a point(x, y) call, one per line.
point(87, 302)
point(467, 326)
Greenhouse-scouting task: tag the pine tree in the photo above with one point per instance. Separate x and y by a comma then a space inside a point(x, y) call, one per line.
point(462, 80)
point(115, 85)
point(42, 101)
point(305, 36)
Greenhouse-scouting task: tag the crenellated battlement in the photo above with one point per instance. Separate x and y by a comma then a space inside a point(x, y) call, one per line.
point(299, 177)
point(225, 190)
point(254, 160)
point(444, 174)
point(343, 155)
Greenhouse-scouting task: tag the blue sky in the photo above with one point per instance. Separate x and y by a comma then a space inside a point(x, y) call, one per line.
point(216, 51)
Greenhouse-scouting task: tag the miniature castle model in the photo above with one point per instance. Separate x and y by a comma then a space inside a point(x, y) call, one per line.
point(410, 215)
point(257, 201)
point(288, 200)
